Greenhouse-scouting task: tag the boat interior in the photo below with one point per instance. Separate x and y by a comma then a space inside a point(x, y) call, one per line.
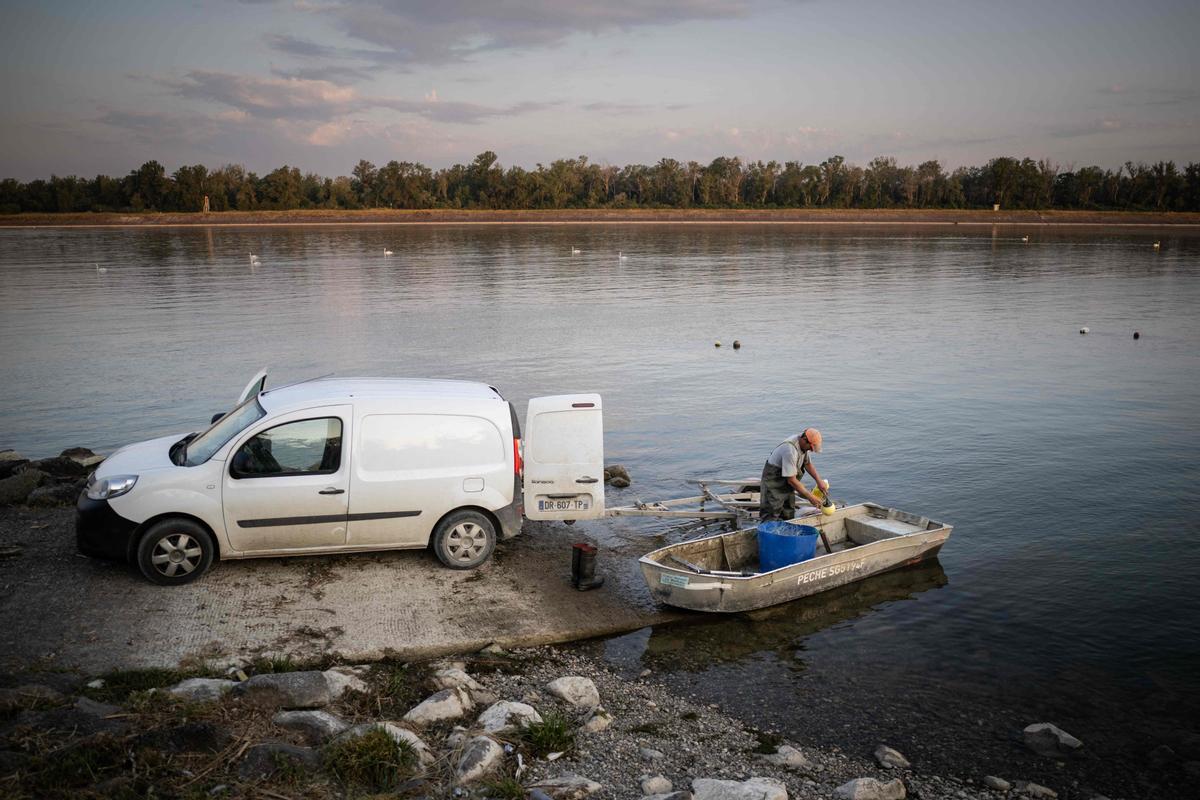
point(851, 527)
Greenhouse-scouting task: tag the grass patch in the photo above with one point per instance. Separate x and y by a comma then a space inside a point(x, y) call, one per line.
point(272, 665)
point(120, 684)
point(61, 772)
point(506, 788)
point(554, 734)
point(373, 761)
point(650, 728)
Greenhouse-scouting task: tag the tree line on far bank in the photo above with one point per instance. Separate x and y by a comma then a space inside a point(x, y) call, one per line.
point(578, 183)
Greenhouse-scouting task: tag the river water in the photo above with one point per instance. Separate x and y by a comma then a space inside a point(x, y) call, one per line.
point(944, 366)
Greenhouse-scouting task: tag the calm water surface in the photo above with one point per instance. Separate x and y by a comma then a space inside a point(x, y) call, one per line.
point(944, 366)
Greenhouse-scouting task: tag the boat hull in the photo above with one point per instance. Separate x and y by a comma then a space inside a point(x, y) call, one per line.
point(688, 589)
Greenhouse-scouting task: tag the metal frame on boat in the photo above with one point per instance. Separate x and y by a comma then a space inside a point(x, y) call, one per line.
point(720, 572)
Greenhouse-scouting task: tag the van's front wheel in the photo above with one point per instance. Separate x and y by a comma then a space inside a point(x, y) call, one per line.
point(174, 551)
point(464, 540)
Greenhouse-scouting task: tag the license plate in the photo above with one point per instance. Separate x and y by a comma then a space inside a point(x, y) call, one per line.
point(579, 502)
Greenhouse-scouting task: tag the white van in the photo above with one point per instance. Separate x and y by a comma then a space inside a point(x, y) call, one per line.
point(346, 465)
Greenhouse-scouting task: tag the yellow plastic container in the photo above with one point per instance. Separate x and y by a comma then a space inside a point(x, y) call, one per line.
point(827, 510)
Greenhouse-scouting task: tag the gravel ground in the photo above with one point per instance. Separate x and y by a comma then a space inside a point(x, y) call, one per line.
point(696, 740)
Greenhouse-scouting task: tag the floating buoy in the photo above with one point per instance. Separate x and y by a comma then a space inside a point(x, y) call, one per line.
point(1137, 335)
point(1084, 330)
point(737, 345)
point(717, 344)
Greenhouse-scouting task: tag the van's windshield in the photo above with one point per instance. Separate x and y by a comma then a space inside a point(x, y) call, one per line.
point(201, 448)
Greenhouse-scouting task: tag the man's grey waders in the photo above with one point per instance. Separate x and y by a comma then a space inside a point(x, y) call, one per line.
point(777, 498)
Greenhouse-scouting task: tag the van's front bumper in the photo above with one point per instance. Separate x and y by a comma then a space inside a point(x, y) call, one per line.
point(100, 532)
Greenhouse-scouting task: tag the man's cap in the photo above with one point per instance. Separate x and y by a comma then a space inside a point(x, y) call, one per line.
point(814, 438)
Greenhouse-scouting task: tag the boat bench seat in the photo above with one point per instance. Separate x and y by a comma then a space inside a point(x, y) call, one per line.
point(864, 530)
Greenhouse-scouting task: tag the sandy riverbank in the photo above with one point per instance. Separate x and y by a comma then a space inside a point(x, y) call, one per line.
point(614, 216)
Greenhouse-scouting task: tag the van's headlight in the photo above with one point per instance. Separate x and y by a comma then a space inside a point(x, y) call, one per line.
point(105, 488)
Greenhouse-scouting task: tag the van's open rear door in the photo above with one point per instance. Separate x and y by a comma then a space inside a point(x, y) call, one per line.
point(564, 457)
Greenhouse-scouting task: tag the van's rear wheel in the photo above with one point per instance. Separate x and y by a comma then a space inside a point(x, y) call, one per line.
point(464, 540)
point(175, 551)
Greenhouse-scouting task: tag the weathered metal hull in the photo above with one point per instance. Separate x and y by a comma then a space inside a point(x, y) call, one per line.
point(684, 588)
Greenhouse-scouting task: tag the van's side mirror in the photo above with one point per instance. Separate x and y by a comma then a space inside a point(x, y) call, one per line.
point(216, 417)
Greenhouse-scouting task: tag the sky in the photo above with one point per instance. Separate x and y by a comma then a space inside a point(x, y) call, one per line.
point(101, 87)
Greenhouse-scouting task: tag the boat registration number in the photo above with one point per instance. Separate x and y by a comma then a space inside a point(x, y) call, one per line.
point(680, 581)
point(579, 502)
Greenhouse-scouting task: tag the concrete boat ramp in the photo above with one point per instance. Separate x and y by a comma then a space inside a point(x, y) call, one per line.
point(59, 610)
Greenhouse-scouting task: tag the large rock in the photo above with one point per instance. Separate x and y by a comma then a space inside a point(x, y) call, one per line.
point(202, 689)
point(54, 494)
point(1050, 740)
point(316, 727)
point(577, 691)
point(999, 784)
point(787, 756)
point(656, 784)
point(597, 721)
point(86, 705)
point(481, 756)
point(567, 787)
point(444, 705)
point(346, 679)
point(753, 789)
point(892, 759)
point(11, 466)
point(452, 678)
point(616, 471)
point(15, 488)
point(82, 456)
point(288, 689)
point(60, 467)
point(397, 733)
point(507, 716)
point(871, 789)
point(1031, 789)
point(264, 760)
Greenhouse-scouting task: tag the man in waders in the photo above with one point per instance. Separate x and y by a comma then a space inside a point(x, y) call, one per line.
point(781, 476)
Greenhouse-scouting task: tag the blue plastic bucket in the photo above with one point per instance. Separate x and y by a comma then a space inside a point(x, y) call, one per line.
point(782, 543)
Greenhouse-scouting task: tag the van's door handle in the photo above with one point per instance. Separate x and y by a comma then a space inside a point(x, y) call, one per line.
point(332, 490)
point(586, 479)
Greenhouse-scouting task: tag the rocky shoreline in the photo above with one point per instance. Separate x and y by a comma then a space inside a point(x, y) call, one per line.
point(264, 727)
point(45, 482)
point(537, 723)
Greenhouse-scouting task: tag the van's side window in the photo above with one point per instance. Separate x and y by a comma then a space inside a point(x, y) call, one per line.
point(305, 447)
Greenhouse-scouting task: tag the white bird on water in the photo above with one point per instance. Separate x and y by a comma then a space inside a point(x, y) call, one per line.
point(1024, 238)
point(621, 256)
point(387, 252)
point(1157, 245)
point(101, 270)
point(575, 251)
point(254, 259)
